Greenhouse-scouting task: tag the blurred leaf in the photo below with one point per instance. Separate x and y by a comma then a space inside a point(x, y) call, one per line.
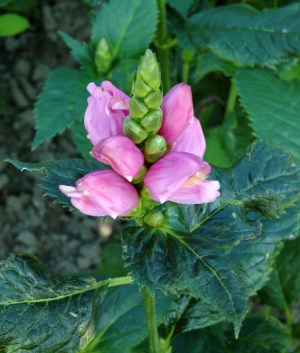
point(61, 172)
point(82, 143)
point(42, 312)
point(80, 51)
point(289, 71)
point(181, 6)
point(62, 101)
point(127, 25)
point(274, 115)
point(111, 263)
point(284, 284)
point(243, 35)
point(12, 24)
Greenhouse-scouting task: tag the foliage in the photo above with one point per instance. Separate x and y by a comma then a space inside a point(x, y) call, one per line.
point(12, 24)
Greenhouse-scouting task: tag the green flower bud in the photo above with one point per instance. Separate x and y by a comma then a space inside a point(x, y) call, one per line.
point(137, 108)
point(103, 57)
point(154, 219)
point(152, 121)
point(155, 147)
point(149, 70)
point(140, 176)
point(134, 130)
point(153, 99)
point(139, 87)
point(137, 211)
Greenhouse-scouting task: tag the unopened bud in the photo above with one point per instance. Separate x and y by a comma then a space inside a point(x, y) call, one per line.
point(152, 121)
point(140, 176)
point(139, 87)
point(134, 131)
point(149, 70)
point(103, 57)
point(153, 99)
point(155, 147)
point(137, 108)
point(154, 219)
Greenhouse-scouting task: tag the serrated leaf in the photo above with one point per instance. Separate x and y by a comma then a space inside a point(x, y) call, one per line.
point(127, 25)
point(80, 51)
point(62, 101)
point(121, 322)
point(185, 263)
point(284, 284)
point(42, 312)
point(61, 172)
point(247, 37)
point(12, 24)
point(273, 106)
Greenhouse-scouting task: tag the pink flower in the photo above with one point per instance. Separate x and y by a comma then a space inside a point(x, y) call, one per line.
point(178, 112)
point(181, 177)
point(106, 111)
point(121, 154)
point(102, 193)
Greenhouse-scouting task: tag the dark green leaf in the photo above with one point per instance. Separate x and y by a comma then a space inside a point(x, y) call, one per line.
point(61, 172)
point(83, 144)
point(80, 51)
point(274, 115)
point(62, 101)
point(284, 284)
point(42, 312)
point(243, 35)
point(111, 263)
point(12, 24)
point(181, 6)
point(127, 25)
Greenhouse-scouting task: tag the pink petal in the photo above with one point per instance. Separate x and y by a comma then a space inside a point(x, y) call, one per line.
point(108, 86)
point(178, 112)
point(121, 154)
point(168, 174)
point(204, 192)
point(191, 140)
point(105, 114)
point(103, 193)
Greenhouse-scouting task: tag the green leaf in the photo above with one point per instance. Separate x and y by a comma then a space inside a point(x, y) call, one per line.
point(121, 322)
point(127, 25)
point(274, 116)
point(62, 101)
point(80, 51)
point(42, 312)
point(284, 284)
point(12, 24)
point(61, 172)
point(185, 263)
point(83, 144)
point(181, 6)
point(247, 37)
point(111, 263)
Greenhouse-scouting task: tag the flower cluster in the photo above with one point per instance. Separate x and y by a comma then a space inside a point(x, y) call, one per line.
point(154, 146)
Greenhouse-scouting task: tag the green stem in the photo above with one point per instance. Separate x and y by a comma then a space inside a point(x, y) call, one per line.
point(288, 314)
point(231, 100)
point(149, 301)
point(119, 281)
point(163, 50)
point(185, 72)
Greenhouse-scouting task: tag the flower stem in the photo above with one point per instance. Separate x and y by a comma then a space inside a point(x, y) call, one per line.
point(288, 314)
point(149, 301)
point(231, 100)
point(163, 50)
point(185, 72)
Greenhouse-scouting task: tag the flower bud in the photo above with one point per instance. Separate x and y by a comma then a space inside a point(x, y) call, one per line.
point(149, 70)
point(134, 131)
point(137, 108)
point(153, 99)
point(154, 219)
point(152, 121)
point(155, 147)
point(139, 87)
point(103, 57)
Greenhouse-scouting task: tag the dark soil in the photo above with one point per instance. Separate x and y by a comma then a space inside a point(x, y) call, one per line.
point(29, 222)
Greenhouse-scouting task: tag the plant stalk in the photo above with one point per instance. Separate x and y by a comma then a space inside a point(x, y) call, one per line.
point(162, 48)
point(149, 301)
point(231, 100)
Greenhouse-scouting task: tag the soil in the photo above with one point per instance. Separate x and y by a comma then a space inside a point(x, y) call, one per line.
point(29, 222)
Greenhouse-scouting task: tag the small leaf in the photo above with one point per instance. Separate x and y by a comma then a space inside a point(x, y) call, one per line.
point(12, 24)
point(181, 6)
point(274, 116)
point(61, 172)
point(62, 101)
point(245, 36)
point(127, 25)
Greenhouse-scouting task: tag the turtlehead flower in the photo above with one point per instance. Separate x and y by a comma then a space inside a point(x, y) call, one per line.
point(102, 193)
point(106, 111)
point(181, 177)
